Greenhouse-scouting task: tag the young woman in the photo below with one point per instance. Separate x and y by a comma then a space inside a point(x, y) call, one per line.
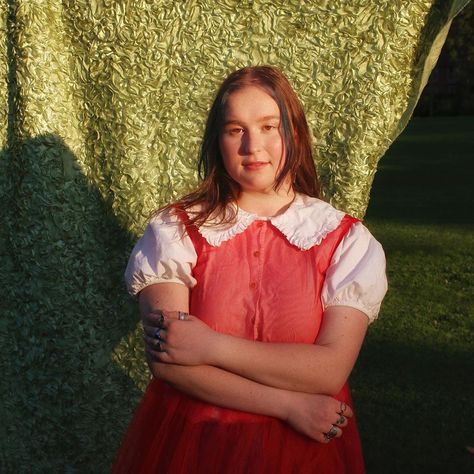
point(255, 297)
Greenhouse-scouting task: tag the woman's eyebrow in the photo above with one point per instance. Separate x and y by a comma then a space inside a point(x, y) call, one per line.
point(269, 117)
point(231, 121)
point(261, 119)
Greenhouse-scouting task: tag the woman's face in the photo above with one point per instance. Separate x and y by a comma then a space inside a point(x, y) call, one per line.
point(250, 142)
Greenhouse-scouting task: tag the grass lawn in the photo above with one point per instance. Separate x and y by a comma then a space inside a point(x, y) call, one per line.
point(414, 381)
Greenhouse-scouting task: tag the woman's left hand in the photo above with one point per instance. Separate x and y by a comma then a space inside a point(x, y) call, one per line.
point(172, 340)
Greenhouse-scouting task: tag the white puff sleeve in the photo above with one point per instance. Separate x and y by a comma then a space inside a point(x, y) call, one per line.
point(356, 276)
point(164, 253)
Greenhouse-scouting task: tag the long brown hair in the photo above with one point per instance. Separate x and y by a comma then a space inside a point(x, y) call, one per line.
point(217, 189)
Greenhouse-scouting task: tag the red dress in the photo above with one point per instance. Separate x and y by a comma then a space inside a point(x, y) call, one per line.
point(258, 286)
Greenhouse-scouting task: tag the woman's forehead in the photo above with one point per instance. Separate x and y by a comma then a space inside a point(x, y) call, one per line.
point(250, 101)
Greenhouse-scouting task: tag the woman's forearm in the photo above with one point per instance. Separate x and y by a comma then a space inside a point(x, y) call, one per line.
point(209, 384)
point(310, 414)
point(222, 388)
point(322, 367)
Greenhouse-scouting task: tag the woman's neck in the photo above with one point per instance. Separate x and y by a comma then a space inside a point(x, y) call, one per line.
point(266, 204)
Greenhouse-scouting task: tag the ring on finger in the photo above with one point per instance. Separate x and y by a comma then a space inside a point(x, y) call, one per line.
point(331, 433)
point(157, 334)
point(161, 320)
point(340, 420)
point(342, 409)
point(182, 315)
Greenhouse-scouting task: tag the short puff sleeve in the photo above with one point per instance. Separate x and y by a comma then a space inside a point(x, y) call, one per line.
point(356, 276)
point(164, 254)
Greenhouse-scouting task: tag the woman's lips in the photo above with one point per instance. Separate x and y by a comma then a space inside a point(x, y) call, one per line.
point(255, 165)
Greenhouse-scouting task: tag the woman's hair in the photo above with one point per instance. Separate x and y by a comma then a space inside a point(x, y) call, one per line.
point(217, 189)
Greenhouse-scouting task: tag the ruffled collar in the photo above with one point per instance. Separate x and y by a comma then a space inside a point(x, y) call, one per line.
point(305, 223)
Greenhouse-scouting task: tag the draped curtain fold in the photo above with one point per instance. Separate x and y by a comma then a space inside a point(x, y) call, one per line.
point(104, 107)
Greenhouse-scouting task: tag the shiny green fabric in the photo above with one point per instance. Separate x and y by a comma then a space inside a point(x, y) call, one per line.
point(103, 110)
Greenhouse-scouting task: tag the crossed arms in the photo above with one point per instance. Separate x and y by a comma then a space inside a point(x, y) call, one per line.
point(293, 382)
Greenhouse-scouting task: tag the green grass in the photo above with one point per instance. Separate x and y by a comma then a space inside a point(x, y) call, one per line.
point(414, 381)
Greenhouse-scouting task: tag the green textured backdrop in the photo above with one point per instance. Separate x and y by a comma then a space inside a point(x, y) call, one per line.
point(103, 108)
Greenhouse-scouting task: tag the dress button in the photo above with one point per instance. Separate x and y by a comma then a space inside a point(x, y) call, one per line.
point(256, 253)
point(259, 223)
point(253, 285)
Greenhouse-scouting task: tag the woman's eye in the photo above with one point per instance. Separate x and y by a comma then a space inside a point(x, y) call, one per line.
point(235, 131)
point(267, 128)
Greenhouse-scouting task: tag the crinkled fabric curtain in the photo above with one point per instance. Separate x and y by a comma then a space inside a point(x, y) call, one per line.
point(104, 106)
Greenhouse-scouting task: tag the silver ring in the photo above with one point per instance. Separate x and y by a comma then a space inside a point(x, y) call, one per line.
point(182, 315)
point(342, 409)
point(340, 420)
point(331, 433)
point(157, 334)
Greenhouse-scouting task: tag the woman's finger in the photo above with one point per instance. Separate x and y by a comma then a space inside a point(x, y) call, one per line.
point(149, 330)
point(161, 318)
point(160, 357)
point(341, 421)
point(154, 332)
point(160, 335)
point(345, 410)
point(333, 432)
point(181, 315)
point(154, 344)
point(155, 318)
point(154, 356)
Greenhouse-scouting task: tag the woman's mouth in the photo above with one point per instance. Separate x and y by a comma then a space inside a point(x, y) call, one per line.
point(255, 165)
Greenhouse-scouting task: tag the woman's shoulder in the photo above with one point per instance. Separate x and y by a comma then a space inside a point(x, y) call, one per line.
point(314, 208)
point(194, 212)
point(171, 214)
point(165, 224)
point(303, 200)
point(164, 253)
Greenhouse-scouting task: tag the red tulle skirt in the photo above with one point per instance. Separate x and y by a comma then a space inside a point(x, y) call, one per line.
point(177, 434)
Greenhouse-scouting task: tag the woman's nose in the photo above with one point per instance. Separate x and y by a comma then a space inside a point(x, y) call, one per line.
point(252, 142)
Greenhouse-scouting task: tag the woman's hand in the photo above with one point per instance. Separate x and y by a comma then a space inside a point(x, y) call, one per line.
point(169, 339)
point(318, 416)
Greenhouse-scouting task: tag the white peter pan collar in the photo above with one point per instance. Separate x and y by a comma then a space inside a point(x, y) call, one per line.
point(305, 223)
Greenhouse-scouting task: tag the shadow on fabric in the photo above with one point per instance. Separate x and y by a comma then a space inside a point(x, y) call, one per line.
point(64, 309)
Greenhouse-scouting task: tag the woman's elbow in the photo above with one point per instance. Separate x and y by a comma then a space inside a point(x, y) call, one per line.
point(330, 385)
point(335, 386)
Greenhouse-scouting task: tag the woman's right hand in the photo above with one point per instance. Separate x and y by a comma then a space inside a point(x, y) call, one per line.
point(320, 417)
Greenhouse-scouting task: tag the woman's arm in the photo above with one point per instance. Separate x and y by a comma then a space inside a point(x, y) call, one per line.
point(322, 367)
point(356, 276)
point(310, 414)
